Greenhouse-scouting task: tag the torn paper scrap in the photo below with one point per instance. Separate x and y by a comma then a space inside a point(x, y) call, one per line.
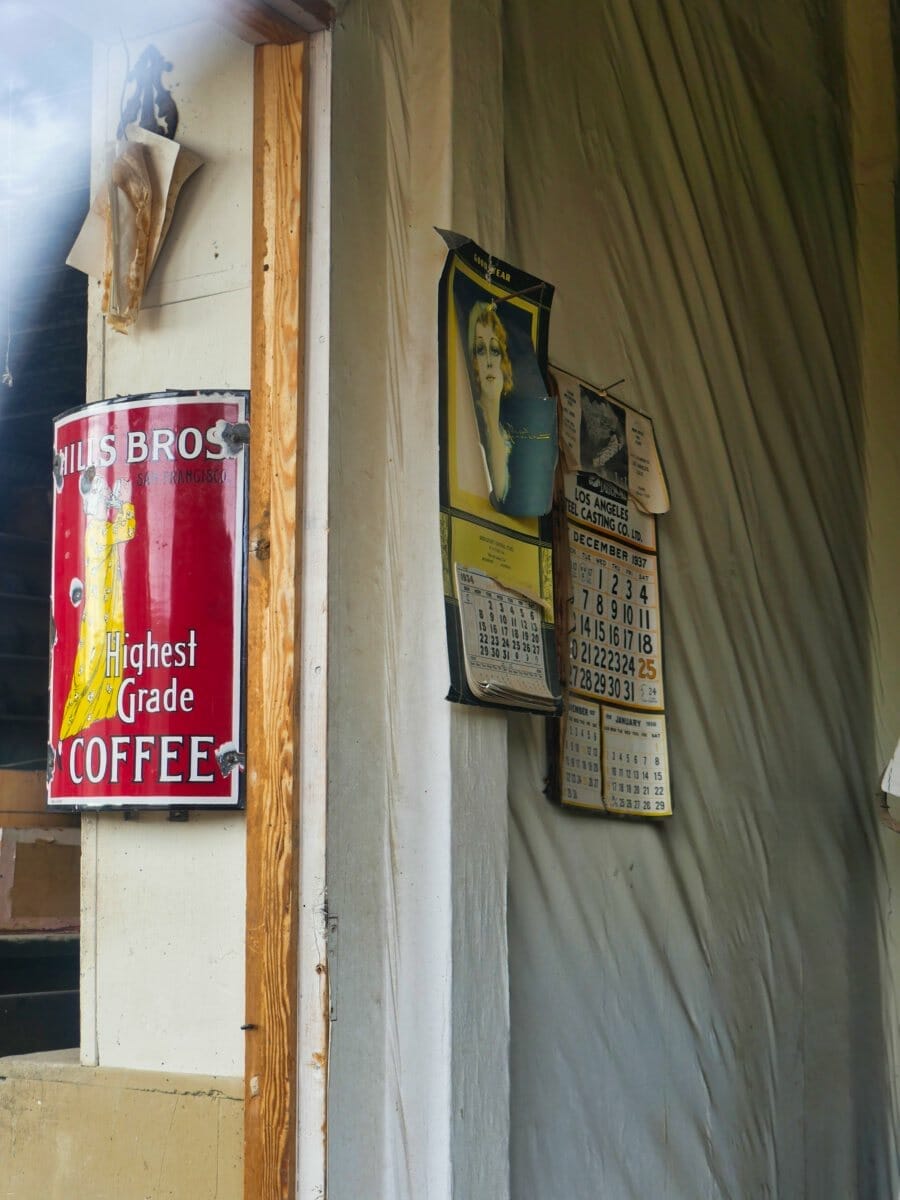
point(169, 165)
point(890, 781)
point(602, 436)
point(124, 231)
point(128, 240)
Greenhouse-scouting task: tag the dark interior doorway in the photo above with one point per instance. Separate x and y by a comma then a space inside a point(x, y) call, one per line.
point(45, 116)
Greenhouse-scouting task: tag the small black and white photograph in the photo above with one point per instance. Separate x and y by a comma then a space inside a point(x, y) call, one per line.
point(603, 447)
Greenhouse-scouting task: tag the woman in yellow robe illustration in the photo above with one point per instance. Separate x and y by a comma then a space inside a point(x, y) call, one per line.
point(93, 695)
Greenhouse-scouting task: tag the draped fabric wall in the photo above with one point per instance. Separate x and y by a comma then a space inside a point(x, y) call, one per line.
point(696, 1006)
point(699, 1009)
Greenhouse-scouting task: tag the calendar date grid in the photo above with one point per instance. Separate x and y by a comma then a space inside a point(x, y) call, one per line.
point(614, 631)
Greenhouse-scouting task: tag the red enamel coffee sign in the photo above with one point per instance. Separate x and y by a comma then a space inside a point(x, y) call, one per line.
point(148, 602)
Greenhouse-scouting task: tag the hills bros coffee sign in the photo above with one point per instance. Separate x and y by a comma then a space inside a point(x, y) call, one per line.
point(147, 607)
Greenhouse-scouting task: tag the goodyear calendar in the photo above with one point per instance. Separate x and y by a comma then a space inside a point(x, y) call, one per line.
point(612, 752)
point(498, 453)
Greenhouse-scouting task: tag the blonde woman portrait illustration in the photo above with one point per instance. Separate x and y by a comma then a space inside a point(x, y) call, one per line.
point(109, 522)
point(516, 416)
point(493, 379)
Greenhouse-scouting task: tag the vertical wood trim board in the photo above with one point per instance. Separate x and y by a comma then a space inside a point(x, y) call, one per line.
point(273, 626)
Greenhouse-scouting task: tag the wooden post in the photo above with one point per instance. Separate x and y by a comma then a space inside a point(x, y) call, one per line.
point(273, 626)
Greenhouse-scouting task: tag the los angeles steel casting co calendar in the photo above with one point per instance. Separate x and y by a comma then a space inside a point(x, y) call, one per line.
point(612, 751)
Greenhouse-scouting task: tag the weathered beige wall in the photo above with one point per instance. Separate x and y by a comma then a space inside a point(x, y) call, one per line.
point(69, 1132)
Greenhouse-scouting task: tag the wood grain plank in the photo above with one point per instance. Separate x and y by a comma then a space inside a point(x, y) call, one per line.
point(23, 791)
point(273, 626)
point(23, 803)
